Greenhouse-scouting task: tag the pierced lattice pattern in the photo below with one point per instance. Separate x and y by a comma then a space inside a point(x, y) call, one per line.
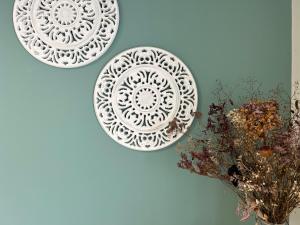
point(139, 92)
point(66, 33)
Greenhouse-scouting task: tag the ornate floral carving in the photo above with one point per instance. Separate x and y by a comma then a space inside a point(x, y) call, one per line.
point(139, 92)
point(66, 33)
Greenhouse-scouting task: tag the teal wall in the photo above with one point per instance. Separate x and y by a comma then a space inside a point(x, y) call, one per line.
point(58, 167)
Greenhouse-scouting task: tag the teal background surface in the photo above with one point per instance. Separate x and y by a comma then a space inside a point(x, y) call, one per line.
point(58, 167)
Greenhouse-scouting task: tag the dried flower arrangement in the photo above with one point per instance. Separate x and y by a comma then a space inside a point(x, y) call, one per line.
point(254, 147)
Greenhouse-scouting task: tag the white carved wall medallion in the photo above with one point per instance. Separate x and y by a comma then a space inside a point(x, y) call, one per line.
point(139, 92)
point(66, 33)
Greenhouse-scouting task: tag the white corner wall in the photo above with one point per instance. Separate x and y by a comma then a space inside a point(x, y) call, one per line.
point(295, 217)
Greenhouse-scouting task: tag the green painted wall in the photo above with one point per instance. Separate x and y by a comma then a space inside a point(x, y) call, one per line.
point(58, 167)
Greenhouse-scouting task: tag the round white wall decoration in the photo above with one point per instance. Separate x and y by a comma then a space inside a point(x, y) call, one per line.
point(66, 33)
point(139, 92)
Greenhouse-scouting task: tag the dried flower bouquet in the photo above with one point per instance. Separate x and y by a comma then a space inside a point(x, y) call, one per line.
point(254, 147)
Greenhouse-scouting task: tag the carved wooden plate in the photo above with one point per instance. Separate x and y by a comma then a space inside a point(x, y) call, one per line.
point(66, 33)
point(139, 92)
